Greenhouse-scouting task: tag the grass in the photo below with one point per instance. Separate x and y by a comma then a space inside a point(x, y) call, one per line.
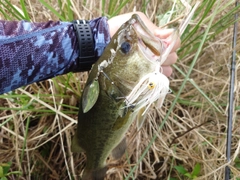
point(38, 121)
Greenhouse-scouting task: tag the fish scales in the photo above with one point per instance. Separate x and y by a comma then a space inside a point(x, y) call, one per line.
point(105, 112)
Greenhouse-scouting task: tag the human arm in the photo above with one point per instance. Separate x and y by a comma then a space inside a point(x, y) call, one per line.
point(32, 52)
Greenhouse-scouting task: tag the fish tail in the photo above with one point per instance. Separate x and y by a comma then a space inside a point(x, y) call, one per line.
point(97, 174)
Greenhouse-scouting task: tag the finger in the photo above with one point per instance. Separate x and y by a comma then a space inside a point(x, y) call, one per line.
point(167, 70)
point(164, 34)
point(171, 59)
point(115, 22)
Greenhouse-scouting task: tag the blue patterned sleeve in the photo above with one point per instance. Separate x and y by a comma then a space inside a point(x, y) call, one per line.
point(32, 52)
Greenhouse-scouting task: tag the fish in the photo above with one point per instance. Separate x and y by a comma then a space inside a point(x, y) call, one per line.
point(121, 87)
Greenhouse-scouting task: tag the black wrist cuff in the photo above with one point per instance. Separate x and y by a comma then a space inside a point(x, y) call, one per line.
point(86, 44)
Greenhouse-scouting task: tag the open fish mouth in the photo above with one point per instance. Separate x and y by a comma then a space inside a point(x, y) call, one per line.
point(153, 85)
point(150, 46)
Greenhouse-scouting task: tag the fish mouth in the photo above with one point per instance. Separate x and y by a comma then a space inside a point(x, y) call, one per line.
point(150, 46)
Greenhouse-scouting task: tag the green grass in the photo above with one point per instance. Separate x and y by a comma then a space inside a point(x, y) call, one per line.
point(209, 22)
point(4, 171)
point(186, 78)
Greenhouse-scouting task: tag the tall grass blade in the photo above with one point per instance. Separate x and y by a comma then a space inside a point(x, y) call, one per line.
point(119, 8)
point(62, 12)
point(12, 10)
point(145, 3)
point(112, 5)
point(198, 88)
point(205, 14)
point(219, 26)
point(25, 139)
point(52, 10)
point(69, 11)
point(24, 9)
point(103, 7)
point(6, 16)
point(180, 89)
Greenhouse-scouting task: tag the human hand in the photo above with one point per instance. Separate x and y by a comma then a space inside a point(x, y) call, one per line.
point(172, 57)
point(117, 21)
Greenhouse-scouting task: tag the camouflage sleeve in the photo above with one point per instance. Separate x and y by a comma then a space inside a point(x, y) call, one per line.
point(32, 52)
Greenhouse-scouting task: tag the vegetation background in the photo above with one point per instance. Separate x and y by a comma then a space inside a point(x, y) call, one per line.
point(185, 139)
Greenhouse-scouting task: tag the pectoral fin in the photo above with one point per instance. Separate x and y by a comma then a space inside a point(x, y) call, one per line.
point(120, 149)
point(120, 122)
point(122, 119)
point(90, 95)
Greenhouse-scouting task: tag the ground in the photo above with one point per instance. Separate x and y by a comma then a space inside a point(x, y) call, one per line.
point(185, 139)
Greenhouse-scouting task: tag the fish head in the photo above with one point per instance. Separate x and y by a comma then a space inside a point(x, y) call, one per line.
point(135, 37)
point(129, 68)
point(132, 53)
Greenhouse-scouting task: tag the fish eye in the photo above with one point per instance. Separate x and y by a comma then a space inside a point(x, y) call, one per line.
point(125, 47)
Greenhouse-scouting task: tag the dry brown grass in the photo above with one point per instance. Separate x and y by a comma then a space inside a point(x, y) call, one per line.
point(47, 154)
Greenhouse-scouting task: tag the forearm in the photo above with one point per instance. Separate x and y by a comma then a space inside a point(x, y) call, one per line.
point(31, 52)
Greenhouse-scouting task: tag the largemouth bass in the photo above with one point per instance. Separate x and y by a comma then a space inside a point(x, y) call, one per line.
point(121, 86)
